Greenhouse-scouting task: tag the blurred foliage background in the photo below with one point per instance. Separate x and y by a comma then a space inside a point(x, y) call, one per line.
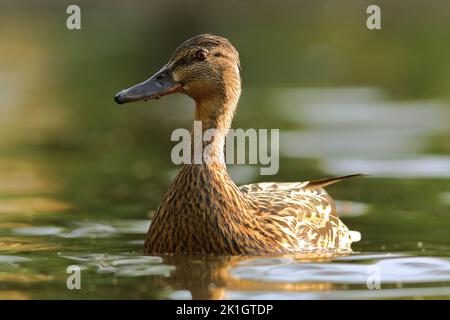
point(57, 85)
point(74, 166)
point(65, 79)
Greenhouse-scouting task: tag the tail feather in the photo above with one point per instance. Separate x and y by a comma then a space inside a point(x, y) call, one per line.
point(355, 236)
point(327, 181)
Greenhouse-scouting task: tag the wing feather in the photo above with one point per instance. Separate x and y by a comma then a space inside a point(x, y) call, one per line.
point(302, 213)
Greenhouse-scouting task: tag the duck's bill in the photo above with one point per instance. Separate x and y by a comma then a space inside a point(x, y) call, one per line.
point(160, 84)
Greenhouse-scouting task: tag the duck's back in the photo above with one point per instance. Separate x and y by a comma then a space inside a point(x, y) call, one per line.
point(300, 216)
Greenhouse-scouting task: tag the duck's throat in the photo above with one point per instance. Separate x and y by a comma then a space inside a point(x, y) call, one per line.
point(213, 117)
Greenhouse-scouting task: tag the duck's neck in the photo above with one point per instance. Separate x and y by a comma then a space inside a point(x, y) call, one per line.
point(213, 117)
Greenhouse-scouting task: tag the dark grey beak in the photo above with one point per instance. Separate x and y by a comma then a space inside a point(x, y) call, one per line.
point(160, 84)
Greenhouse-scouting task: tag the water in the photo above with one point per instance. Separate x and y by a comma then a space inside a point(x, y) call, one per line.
point(61, 208)
point(80, 177)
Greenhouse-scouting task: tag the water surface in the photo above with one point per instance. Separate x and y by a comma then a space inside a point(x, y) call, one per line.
point(80, 177)
point(68, 207)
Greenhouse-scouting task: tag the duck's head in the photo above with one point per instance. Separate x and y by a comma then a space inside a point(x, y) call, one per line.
point(202, 67)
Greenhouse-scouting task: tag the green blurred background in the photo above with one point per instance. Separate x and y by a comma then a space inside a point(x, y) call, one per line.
point(287, 44)
point(346, 99)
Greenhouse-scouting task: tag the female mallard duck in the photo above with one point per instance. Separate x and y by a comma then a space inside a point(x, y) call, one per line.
point(204, 212)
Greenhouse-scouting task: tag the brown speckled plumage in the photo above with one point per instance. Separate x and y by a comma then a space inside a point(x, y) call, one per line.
point(204, 212)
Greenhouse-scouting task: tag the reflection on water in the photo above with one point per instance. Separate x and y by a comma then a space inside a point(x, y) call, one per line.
point(23, 177)
point(87, 229)
point(47, 224)
point(417, 166)
point(359, 130)
point(79, 177)
point(12, 260)
point(301, 276)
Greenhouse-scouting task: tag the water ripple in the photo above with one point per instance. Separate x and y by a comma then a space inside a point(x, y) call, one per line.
point(391, 271)
point(12, 260)
point(122, 265)
point(87, 229)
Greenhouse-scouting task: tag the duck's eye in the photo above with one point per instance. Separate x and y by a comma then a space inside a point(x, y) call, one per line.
point(201, 54)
